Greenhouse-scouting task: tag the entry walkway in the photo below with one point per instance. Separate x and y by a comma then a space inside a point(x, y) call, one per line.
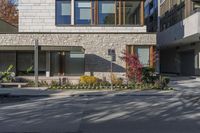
point(186, 85)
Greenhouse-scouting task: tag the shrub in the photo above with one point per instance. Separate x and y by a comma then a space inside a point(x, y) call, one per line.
point(148, 75)
point(8, 75)
point(162, 83)
point(89, 80)
point(29, 69)
point(54, 83)
point(115, 80)
point(43, 84)
point(134, 67)
point(30, 83)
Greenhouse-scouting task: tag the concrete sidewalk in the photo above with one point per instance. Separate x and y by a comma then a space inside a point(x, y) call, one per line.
point(46, 92)
point(181, 85)
point(186, 85)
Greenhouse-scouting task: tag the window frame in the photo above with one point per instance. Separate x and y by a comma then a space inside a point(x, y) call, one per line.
point(76, 8)
point(119, 16)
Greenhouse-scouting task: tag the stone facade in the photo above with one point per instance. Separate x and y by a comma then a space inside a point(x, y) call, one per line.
point(96, 47)
point(39, 16)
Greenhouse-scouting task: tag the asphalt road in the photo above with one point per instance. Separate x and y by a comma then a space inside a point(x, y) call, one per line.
point(103, 114)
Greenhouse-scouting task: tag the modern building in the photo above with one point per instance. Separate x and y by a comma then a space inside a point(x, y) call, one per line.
point(74, 37)
point(179, 39)
point(151, 15)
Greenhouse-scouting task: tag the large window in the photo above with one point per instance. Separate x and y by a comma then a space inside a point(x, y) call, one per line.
point(143, 54)
point(67, 63)
point(76, 64)
point(83, 13)
point(119, 12)
point(132, 12)
point(107, 12)
point(112, 12)
point(25, 63)
point(63, 11)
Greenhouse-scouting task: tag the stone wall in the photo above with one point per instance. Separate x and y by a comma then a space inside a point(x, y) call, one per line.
point(96, 46)
point(39, 16)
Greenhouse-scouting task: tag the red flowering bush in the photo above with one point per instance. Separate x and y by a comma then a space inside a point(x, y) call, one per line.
point(134, 67)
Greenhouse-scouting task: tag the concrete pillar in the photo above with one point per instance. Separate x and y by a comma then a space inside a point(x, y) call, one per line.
point(48, 58)
point(72, 12)
point(36, 66)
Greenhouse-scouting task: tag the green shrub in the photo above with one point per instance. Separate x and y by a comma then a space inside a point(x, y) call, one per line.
point(8, 75)
point(148, 75)
point(29, 69)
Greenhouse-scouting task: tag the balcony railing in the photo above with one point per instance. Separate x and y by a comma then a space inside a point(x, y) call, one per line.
point(175, 15)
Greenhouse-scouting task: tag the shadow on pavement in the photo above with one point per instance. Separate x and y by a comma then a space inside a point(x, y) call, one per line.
point(103, 114)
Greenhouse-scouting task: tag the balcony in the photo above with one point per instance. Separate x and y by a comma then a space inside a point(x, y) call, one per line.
point(185, 31)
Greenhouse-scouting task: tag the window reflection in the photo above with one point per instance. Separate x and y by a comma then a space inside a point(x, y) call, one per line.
point(83, 12)
point(112, 12)
point(132, 12)
point(63, 11)
point(106, 12)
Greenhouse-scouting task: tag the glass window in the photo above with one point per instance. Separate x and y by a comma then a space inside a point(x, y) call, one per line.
point(67, 63)
point(83, 12)
point(108, 8)
point(132, 12)
point(25, 61)
point(63, 11)
point(143, 54)
point(6, 62)
point(107, 12)
point(89, 12)
point(76, 63)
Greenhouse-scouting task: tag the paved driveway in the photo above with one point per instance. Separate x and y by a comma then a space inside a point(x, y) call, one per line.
point(103, 113)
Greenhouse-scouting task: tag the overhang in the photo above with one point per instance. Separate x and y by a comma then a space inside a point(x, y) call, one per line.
point(42, 48)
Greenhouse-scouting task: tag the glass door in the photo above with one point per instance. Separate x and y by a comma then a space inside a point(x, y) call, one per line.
point(67, 63)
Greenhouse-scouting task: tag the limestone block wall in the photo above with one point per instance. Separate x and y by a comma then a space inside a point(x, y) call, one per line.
point(96, 47)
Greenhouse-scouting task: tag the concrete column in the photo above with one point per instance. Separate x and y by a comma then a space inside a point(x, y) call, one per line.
point(157, 62)
point(72, 12)
point(36, 62)
point(197, 60)
point(48, 57)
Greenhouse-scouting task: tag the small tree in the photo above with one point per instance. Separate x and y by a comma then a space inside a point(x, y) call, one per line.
point(134, 67)
point(8, 11)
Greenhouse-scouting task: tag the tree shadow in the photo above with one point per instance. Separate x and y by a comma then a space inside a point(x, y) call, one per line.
point(141, 114)
point(105, 113)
